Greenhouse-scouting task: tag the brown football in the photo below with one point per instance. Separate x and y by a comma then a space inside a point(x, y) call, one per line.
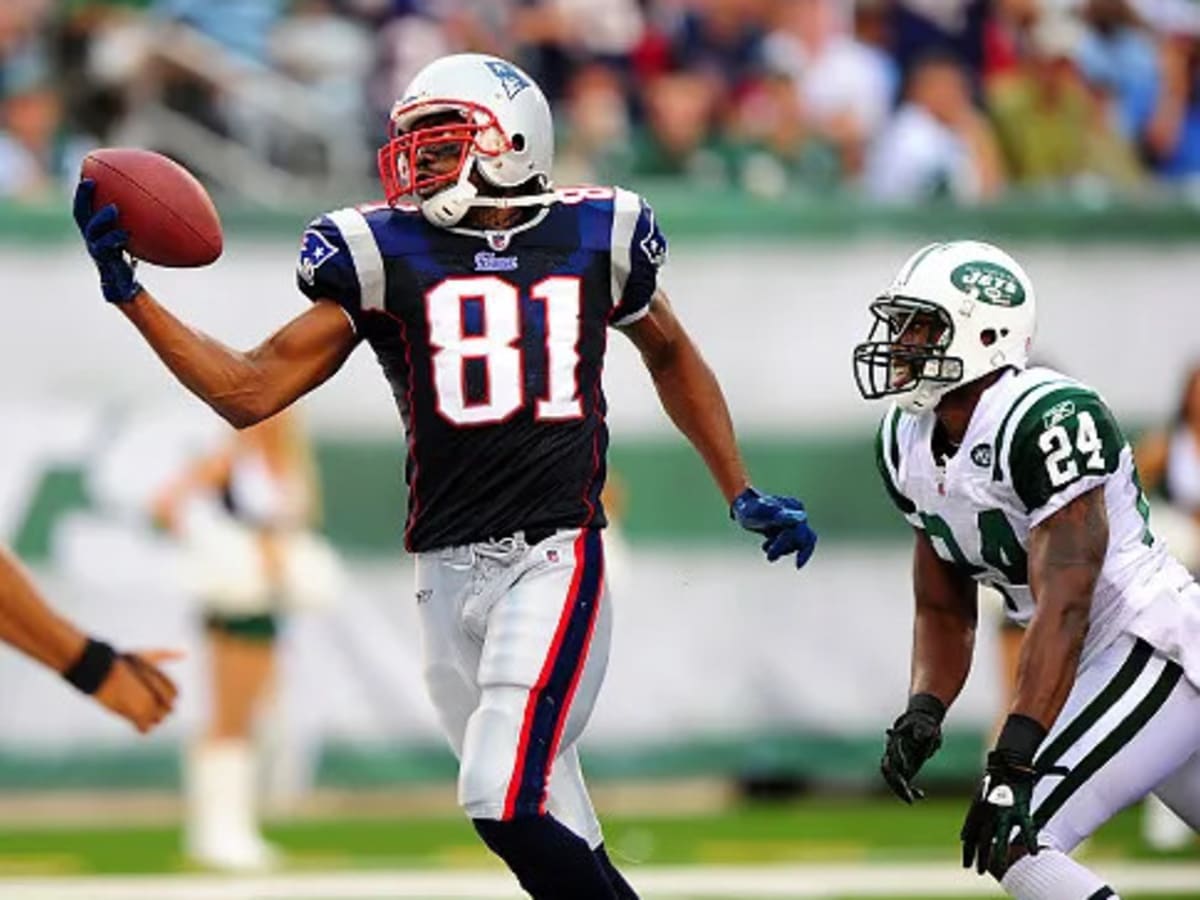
point(170, 218)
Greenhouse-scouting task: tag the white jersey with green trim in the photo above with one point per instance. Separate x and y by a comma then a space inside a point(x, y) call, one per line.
point(1036, 441)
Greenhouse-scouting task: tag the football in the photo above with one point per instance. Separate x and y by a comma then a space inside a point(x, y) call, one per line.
point(170, 218)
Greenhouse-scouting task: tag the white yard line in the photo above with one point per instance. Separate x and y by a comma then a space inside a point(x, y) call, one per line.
point(694, 882)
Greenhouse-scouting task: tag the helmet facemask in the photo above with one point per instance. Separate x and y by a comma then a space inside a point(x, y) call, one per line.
point(905, 353)
point(412, 164)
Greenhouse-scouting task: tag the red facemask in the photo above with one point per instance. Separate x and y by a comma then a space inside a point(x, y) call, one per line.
point(402, 158)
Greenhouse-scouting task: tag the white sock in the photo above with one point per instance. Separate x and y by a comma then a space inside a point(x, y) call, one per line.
point(1161, 828)
point(1051, 875)
point(221, 795)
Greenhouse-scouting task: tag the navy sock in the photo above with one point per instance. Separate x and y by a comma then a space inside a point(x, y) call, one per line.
point(620, 886)
point(550, 860)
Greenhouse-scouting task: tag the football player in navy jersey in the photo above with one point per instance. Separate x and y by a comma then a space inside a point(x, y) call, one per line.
point(487, 302)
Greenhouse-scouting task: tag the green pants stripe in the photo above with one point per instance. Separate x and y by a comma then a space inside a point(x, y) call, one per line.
point(1113, 743)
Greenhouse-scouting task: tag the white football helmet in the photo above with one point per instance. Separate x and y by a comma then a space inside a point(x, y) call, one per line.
point(489, 113)
point(955, 312)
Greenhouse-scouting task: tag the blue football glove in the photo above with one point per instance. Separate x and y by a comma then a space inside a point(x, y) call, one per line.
point(782, 520)
point(106, 243)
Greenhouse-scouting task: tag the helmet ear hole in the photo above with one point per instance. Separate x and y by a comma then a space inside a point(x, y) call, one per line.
point(518, 142)
point(987, 337)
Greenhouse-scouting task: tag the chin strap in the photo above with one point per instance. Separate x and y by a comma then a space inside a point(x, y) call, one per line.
point(446, 208)
point(543, 199)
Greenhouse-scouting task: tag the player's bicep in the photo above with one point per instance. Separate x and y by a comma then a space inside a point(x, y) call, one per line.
point(1067, 550)
point(939, 587)
point(304, 353)
point(658, 333)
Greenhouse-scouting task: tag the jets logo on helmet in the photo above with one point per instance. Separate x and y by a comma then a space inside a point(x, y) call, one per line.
point(955, 312)
point(993, 283)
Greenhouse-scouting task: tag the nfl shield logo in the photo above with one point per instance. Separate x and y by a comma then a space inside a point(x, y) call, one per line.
point(552, 556)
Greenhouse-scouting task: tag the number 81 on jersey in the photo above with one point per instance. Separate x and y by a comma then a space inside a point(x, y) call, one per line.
point(495, 341)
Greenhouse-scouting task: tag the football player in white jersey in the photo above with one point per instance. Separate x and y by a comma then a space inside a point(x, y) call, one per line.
point(1020, 478)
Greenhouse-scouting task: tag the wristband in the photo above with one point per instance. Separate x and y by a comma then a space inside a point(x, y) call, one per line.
point(91, 669)
point(927, 704)
point(1021, 736)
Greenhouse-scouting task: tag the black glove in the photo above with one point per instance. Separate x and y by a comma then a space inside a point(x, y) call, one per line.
point(1004, 799)
point(912, 739)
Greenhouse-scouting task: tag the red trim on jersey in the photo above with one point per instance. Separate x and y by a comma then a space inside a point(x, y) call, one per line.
point(514, 784)
point(410, 428)
point(597, 411)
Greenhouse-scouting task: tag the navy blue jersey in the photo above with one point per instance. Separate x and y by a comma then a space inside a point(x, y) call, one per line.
point(493, 344)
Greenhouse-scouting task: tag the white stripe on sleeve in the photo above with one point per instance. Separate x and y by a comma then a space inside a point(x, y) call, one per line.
point(364, 251)
point(626, 209)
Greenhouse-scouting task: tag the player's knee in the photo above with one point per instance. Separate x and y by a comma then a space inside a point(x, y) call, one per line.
point(489, 760)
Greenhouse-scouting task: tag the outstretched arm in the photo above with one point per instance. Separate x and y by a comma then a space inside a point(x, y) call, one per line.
point(29, 624)
point(247, 387)
point(243, 388)
point(130, 685)
point(690, 393)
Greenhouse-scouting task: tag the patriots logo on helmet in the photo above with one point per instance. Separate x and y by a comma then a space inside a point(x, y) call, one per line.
point(315, 251)
point(511, 80)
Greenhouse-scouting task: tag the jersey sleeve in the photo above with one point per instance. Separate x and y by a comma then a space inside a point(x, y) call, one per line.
point(887, 459)
point(639, 250)
point(340, 261)
point(1064, 445)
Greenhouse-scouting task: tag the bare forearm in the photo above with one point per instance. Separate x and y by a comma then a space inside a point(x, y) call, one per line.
point(947, 612)
point(942, 649)
point(29, 624)
point(693, 399)
point(1048, 662)
point(225, 379)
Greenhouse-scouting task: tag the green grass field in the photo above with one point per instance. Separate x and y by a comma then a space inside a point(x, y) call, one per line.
point(849, 834)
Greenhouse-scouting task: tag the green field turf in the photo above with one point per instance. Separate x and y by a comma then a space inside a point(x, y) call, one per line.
point(814, 831)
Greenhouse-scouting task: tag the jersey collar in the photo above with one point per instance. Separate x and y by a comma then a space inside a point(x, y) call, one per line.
point(500, 240)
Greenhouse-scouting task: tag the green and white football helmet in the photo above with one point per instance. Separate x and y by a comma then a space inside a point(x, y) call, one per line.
point(955, 312)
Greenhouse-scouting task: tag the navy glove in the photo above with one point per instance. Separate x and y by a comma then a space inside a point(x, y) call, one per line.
point(106, 243)
point(782, 520)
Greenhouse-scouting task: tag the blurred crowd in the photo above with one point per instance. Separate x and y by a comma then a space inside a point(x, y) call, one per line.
point(899, 100)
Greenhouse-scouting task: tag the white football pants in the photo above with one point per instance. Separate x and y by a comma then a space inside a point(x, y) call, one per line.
point(1130, 727)
point(516, 641)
